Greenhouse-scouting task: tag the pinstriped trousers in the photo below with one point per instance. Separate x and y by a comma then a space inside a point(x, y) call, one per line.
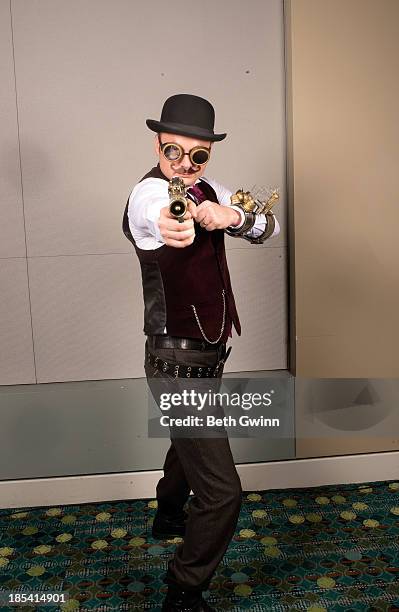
point(205, 466)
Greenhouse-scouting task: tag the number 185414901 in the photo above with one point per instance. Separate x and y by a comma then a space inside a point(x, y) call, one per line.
point(14, 598)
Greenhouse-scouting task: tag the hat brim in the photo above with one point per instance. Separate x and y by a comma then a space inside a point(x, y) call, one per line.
point(184, 130)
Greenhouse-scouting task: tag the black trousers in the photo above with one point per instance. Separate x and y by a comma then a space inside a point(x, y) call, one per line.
point(205, 466)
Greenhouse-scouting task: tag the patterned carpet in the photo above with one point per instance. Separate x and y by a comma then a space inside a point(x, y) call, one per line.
point(326, 548)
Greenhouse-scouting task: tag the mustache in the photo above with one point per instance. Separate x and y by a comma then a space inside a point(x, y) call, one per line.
point(181, 170)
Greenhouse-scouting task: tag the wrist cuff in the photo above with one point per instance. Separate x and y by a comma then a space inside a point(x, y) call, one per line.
point(242, 216)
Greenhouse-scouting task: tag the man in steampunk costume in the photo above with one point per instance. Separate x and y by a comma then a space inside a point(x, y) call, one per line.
point(189, 313)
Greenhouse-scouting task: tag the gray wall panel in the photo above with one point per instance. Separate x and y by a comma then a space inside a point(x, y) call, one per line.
point(12, 235)
point(16, 350)
point(260, 286)
point(87, 317)
point(88, 75)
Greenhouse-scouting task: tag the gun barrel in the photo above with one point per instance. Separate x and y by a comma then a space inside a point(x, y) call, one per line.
point(178, 207)
point(177, 198)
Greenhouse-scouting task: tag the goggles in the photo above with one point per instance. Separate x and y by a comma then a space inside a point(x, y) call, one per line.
point(174, 152)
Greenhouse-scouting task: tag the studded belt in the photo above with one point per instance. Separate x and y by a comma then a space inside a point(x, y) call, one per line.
point(178, 370)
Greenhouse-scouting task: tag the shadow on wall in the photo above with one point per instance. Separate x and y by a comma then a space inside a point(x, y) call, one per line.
point(348, 405)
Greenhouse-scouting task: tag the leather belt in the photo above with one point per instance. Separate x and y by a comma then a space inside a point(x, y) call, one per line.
point(178, 370)
point(183, 343)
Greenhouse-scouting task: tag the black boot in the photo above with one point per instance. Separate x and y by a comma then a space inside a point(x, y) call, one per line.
point(179, 600)
point(167, 526)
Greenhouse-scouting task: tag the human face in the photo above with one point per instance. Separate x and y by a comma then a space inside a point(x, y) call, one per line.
point(182, 168)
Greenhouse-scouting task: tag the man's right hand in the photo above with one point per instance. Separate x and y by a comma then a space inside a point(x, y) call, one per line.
point(174, 233)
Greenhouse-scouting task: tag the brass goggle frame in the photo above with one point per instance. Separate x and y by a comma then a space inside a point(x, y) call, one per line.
point(203, 150)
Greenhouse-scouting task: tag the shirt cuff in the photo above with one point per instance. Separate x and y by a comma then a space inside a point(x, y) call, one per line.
point(242, 215)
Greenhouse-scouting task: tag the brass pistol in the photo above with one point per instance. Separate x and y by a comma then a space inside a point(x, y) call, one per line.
point(178, 202)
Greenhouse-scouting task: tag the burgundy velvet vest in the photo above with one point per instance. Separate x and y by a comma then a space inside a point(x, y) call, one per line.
point(175, 279)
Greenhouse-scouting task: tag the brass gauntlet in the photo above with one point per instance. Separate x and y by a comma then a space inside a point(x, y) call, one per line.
point(251, 208)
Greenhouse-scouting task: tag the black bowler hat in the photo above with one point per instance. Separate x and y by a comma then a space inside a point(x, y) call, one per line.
point(187, 115)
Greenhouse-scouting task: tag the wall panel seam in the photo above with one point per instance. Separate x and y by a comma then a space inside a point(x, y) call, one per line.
point(22, 186)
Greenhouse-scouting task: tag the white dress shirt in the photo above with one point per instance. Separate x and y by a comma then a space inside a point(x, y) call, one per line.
point(151, 194)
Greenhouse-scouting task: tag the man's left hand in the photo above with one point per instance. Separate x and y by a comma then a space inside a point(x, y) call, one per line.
point(213, 216)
